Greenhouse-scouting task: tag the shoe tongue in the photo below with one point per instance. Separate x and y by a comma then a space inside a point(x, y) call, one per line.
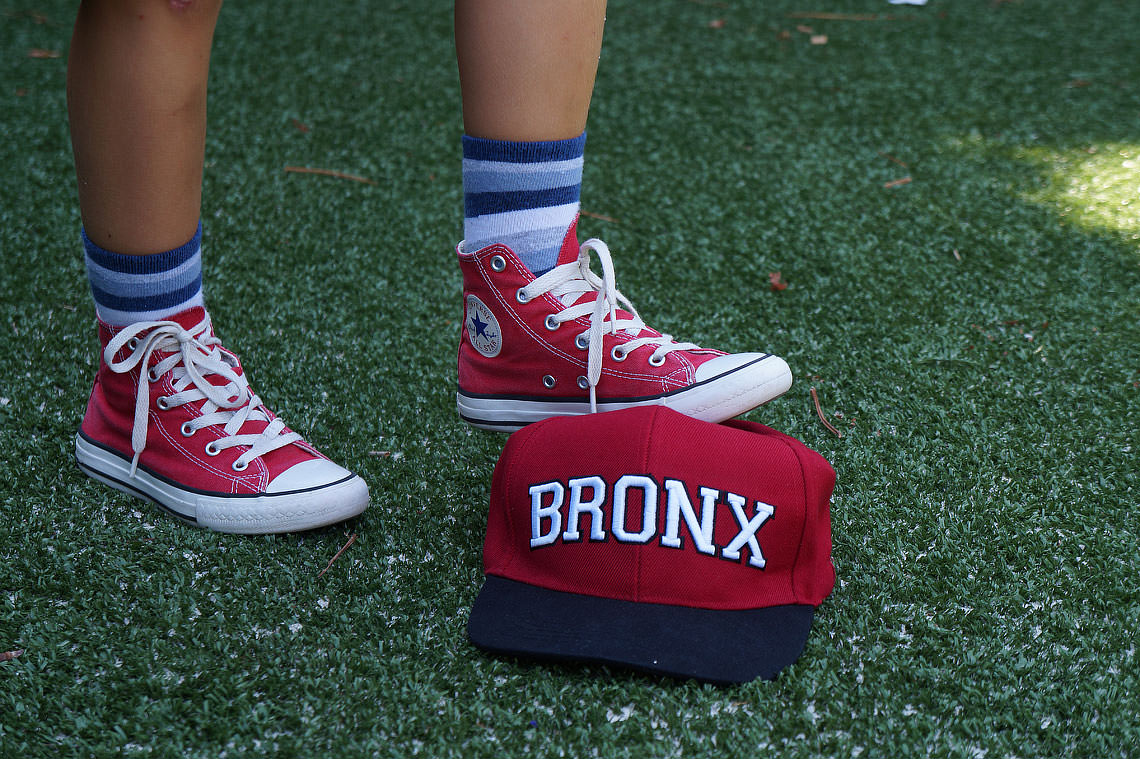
point(190, 318)
point(569, 252)
point(189, 321)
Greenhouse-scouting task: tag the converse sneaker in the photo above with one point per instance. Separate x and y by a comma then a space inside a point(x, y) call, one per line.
point(568, 342)
point(172, 419)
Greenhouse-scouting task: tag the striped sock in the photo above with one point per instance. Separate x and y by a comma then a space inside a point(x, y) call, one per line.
point(521, 194)
point(129, 289)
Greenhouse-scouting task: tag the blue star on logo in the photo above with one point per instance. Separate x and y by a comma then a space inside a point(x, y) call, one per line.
point(480, 326)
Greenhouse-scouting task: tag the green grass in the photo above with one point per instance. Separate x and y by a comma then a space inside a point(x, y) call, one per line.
point(976, 329)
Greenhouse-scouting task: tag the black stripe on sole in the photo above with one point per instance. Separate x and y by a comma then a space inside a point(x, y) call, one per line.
point(123, 486)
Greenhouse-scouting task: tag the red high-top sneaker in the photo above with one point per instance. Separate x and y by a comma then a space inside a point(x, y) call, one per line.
point(569, 343)
point(172, 419)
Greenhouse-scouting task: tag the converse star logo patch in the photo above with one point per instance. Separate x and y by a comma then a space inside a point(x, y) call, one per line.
point(483, 328)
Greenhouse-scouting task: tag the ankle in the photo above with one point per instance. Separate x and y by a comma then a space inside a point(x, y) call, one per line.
point(129, 289)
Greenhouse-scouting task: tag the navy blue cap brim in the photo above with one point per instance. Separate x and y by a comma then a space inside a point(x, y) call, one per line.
point(711, 645)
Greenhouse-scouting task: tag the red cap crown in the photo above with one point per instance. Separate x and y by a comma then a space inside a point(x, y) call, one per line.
point(648, 505)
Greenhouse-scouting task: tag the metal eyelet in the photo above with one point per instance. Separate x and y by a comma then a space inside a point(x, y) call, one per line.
point(583, 383)
point(552, 323)
point(617, 354)
point(162, 403)
point(187, 430)
point(234, 466)
point(656, 360)
point(521, 296)
point(152, 376)
point(582, 342)
point(133, 343)
point(548, 381)
point(498, 263)
point(211, 449)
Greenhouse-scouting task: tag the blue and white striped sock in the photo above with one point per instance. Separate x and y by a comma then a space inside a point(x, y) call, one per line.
point(521, 194)
point(129, 289)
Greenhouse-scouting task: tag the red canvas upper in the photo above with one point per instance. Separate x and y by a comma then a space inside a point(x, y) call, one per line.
point(756, 464)
point(168, 453)
point(530, 351)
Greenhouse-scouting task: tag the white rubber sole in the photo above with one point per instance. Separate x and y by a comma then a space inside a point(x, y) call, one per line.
point(243, 514)
point(716, 399)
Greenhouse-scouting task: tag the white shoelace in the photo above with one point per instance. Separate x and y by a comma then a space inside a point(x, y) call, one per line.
point(569, 282)
point(194, 356)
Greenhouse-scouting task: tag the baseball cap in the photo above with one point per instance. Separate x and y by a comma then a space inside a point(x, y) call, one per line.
point(647, 539)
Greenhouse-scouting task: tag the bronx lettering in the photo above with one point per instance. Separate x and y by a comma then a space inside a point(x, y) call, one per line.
point(648, 490)
point(538, 512)
point(589, 497)
point(677, 504)
point(748, 528)
point(593, 507)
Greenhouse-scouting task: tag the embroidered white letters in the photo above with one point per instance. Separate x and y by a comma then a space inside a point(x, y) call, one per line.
point(628, 511)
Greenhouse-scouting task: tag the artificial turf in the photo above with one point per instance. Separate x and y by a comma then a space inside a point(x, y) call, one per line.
point(973, 333)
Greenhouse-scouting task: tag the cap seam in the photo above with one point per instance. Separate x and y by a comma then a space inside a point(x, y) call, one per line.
point(508, 480)
point(645, 468)
point(803, 524)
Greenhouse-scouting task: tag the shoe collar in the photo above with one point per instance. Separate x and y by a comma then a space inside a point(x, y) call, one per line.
point(188, 320)
point(570, 247)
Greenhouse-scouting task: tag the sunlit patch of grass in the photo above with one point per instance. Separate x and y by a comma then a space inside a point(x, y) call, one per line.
point(1096, 187)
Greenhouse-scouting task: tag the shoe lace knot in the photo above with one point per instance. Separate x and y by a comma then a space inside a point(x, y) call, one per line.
point(571, 283)
point(192, 356)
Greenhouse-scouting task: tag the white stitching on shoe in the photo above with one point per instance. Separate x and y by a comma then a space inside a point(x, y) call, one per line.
point(195, 355)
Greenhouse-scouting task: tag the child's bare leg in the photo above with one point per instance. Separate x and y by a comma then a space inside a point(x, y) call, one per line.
point(527, 67)
point(136, 93)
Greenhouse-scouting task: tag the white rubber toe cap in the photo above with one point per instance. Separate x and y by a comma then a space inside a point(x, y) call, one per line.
point(724, 364)
point(314, 473)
